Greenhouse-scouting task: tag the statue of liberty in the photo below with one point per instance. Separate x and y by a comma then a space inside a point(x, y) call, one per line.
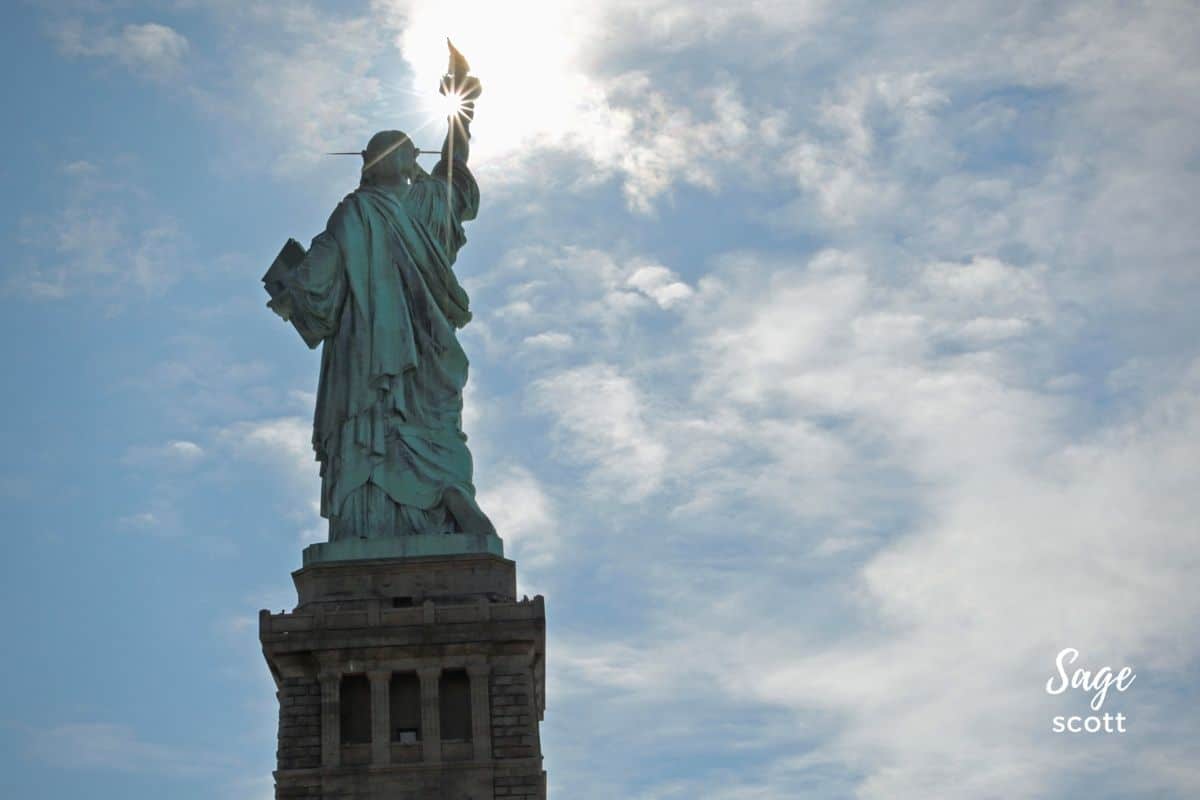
point(377, 291)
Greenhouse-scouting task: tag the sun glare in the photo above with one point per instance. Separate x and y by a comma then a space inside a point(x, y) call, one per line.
point(533, 92)
point(449, 105)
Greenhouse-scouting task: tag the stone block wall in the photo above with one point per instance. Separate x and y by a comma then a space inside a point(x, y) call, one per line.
point(514, 729)
point(515, 737)
point(299, 724)
point(519, 787)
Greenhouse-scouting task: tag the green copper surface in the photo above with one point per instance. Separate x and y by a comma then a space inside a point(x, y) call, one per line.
point(412, 546)
point(376, 291)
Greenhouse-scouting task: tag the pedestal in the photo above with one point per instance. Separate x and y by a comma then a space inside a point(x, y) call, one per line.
point(416, 678)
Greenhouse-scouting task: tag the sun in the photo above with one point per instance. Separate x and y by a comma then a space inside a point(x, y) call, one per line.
point(448, 105)
point(531, 92)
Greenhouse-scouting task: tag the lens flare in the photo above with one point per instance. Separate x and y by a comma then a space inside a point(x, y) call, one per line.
point(450, 105)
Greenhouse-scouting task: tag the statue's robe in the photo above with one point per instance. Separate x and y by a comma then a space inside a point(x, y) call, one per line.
point(378, 289)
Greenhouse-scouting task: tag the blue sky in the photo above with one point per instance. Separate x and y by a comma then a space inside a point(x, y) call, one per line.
point(834, 366)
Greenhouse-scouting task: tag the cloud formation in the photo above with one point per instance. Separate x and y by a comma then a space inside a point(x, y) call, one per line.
point(858, 342)
point(106, 237)
point(148, 49)
point(106, 746)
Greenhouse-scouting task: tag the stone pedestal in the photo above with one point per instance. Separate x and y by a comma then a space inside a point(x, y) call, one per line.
point(448, 634)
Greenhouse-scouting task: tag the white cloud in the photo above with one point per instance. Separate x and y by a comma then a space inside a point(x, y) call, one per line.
point(660, 284)
point(879, 407)
point(1018, 560)
point(145, 520)
point(284, 442)
point(176, 452)
point(837, 162)
point(993, 329)
point(238, 625)
point(149, 50)
point(601, 421)
point(318, 530)
point(964, 529)
point(647, 129)
point(81, 167)
point(548, 101)
point(105, 240)
point(184, 449)
point(105, 746)
point(160, 518)
point(550, 340)
point(523, 515)
point(300, 82)
point(572, 299)
point(615, 666)
point(937, 426)
point(304, 401)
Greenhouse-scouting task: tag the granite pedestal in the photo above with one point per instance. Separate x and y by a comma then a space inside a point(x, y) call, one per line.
point(432, 628)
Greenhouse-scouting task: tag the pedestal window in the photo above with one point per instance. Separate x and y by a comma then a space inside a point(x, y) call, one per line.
point(405, 704)
point(454, 692)
point(355, 702)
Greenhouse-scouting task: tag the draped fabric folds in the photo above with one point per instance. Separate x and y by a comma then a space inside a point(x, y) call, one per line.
point(378, 289)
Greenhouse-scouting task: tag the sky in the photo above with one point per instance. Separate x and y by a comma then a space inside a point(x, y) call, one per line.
point(835, 367)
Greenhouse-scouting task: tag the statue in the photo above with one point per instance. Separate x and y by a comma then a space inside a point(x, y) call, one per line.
point(377, 291)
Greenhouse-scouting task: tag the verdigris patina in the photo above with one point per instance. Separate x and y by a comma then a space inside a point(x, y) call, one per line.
point(377, 290)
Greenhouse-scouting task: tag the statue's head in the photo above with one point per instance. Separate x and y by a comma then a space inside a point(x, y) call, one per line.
point(390, 158)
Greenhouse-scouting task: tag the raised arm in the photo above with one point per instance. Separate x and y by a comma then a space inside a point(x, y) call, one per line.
point(458, 83)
